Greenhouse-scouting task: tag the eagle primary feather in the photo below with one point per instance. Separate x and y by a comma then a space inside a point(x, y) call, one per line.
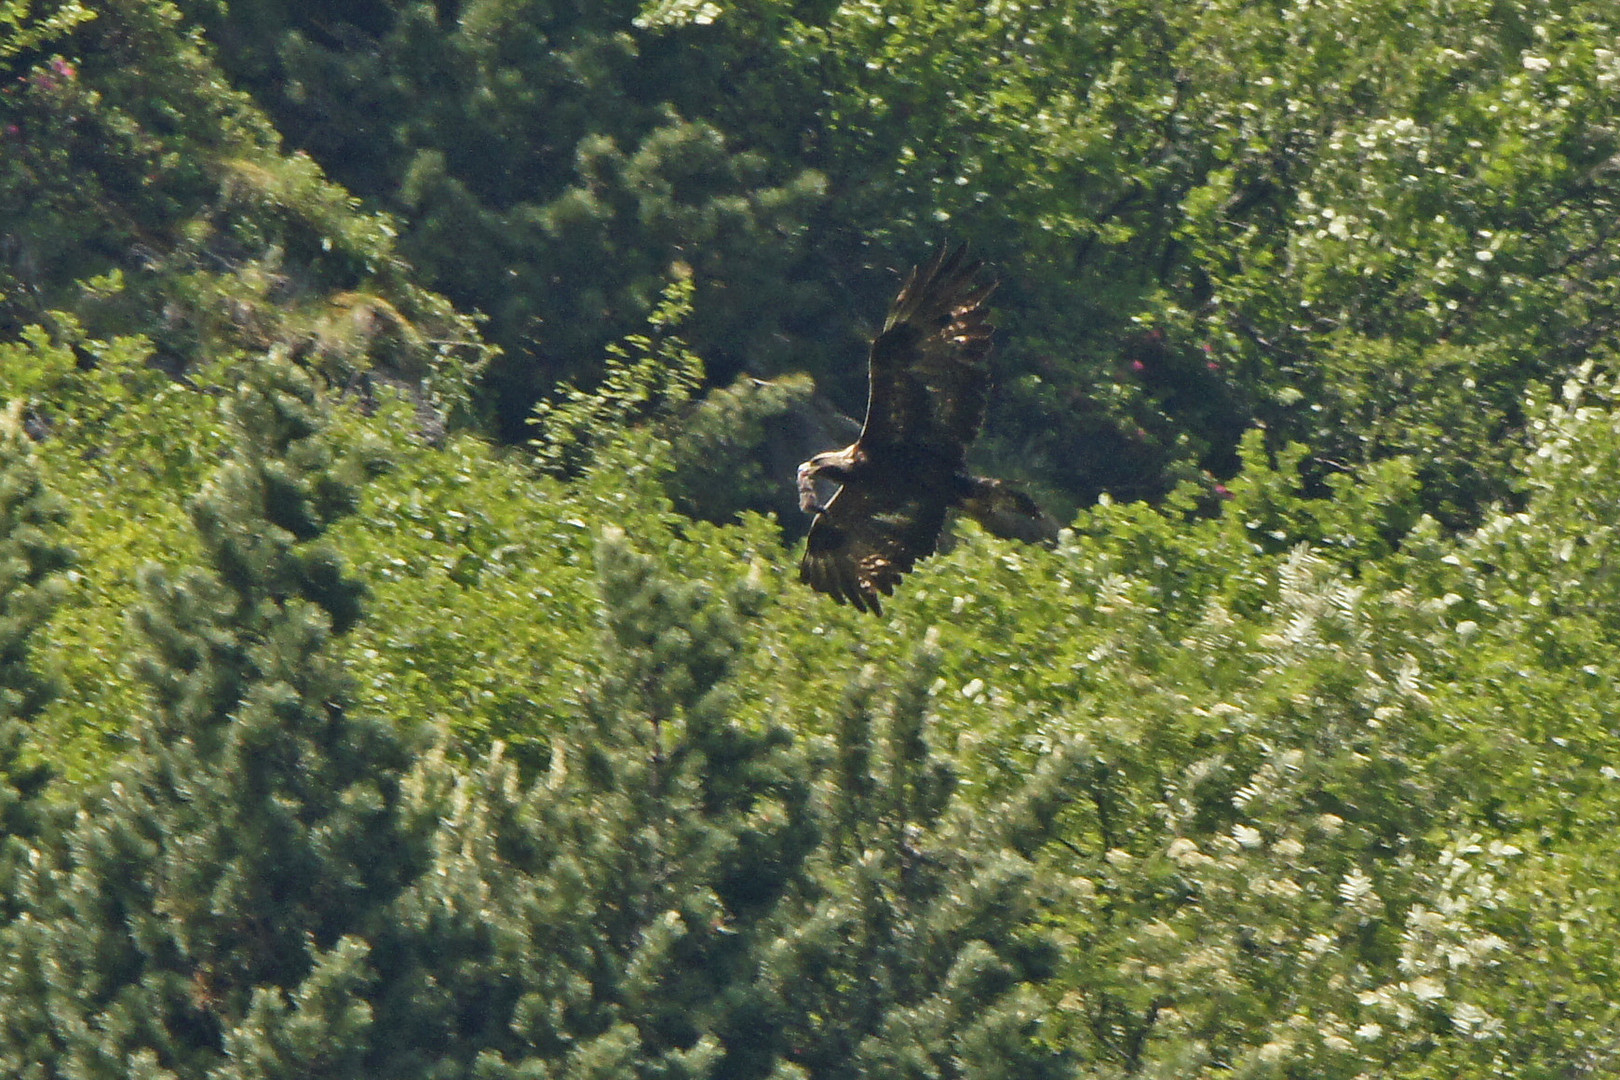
point(927, 384)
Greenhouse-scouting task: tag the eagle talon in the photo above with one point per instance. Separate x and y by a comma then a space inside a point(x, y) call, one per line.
point(807, 488)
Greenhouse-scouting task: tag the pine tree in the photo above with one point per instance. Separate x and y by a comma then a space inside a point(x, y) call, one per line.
point(214, 896)
point(915, 948)
point(602, 921)
point(32, 558)
point(686, 894)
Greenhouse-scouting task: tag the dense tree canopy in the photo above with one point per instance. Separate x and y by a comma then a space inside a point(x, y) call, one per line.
point(403, 667)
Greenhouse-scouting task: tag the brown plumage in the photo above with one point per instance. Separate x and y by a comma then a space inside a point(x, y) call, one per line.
point(928, 379)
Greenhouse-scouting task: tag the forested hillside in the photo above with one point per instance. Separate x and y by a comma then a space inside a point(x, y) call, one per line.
point(404, 670)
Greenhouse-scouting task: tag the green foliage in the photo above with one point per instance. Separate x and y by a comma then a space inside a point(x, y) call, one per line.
point(1368, 231)
point(686, 893)
point(1417, 233)
point(1262, 784)
point(943, 896)
point(118, 441)
point(25, 30)
point(552, 164)
point(721, 456)
point(252, 827)
point(1340, 220)
point(32, 561)
point(734, 450)
point(1306, 770)
point(147, 198)
point(647, 378)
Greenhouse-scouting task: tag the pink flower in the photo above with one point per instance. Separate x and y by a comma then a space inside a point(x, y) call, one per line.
point(1221, 490)
point(63, 68)
point(1137, 365)
point(13, 129)
point(1213, 366)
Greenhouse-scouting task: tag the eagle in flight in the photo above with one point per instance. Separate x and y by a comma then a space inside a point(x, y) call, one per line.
point(928, 378)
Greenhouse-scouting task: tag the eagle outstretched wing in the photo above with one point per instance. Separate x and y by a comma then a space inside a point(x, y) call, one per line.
point(928, 374)
point(867, 538)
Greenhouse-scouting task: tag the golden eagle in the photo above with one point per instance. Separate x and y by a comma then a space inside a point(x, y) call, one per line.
point(928, 380)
